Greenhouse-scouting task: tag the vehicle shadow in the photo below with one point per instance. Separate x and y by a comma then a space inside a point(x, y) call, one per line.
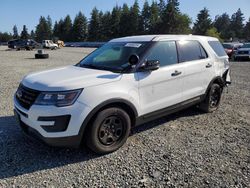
point(20, 154)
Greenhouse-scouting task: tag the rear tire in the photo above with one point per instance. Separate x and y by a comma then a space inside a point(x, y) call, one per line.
point(109, 130)
point(212, 100)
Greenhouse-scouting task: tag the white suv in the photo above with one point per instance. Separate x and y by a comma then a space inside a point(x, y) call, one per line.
point(122, 84)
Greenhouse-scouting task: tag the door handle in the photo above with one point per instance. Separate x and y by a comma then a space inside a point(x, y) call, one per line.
point(176, 73)
point(208, 65)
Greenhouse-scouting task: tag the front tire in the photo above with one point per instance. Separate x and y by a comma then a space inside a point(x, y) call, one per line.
point(212, 100)
point(109, 130)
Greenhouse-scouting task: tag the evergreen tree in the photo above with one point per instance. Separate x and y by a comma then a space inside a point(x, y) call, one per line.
point(161, 7)
point(154, 19)
point(5, 37)
point(49, 21)
point(222, 24)
point(42, 30)
point(145, 22)
point(236, 25)
point(134, 19)
point(125, 21)
point(94, 26)
point(203, 22)
point(67, 29)
point(32, 34)
point(24, 33)
point(105, 20)
point(115, 22)
point(15, 32)
point(80, 27)
point(247, 30)
point(172, 20)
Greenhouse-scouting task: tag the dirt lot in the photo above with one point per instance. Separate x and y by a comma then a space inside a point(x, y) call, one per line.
point(186, 149)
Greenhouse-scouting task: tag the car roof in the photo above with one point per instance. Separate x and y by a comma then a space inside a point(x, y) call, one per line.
point(148, 38)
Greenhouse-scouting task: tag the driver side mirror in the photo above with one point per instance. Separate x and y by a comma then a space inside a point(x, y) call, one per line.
point(150, 65)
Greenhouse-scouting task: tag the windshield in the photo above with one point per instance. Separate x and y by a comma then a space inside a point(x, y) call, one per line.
point(113, 56)
point(247, 45)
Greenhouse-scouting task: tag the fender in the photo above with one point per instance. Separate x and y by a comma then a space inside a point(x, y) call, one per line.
point(219, 80)
point(100, 106)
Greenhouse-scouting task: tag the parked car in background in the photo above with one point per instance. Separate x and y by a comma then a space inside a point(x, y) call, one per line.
point(243, 53)
point(124, 83)
point(19, 44)
point(49, 44)
point(231, 48)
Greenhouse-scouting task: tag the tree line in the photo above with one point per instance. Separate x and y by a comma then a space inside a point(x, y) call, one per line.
point(159, 17)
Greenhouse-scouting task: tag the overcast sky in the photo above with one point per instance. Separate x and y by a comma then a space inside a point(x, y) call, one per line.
point(27, 12)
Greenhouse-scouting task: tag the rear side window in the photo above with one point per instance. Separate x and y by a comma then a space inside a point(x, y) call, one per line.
point(165, 52)
point(218, 48)
point(190, 50)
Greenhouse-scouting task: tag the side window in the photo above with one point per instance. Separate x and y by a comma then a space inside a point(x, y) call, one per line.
point(165, 52)
point(190, 50)
point(218, 48)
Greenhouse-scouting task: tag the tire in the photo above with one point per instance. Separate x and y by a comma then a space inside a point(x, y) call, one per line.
point(109, 130)
point(212, 100)
point(41, 56)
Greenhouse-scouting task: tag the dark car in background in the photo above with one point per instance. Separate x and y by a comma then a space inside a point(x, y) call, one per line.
point(243, 53)
point(231, 48)
point(27, 44)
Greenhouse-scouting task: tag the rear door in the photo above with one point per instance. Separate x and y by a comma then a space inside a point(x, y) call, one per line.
point(163, 87)
point(198, 68)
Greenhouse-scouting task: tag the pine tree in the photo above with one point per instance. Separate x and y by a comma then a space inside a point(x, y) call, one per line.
point(79, 28)
point(115, 22)
point(154, 18)
point(222, 24)
point(145, 17)
point(247, 30)
point(170, 20)
point(94, 26)
point(49, 21)
point(134, 19)
point(67, 29)
point(125, 21)
point(105, 20)
point(32, 34)
point(42, 30)
point(15, 32)
point(236, 25)
point(24, 33)
point(203, 22)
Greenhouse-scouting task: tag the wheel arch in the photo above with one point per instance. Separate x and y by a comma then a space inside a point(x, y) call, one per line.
point(121, 103)
point(216, 80)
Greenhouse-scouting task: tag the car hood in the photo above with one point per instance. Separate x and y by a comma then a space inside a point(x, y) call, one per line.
point(68, 78)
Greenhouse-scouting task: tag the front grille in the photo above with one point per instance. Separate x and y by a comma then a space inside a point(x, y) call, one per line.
point(26, 96)
point(243, 52)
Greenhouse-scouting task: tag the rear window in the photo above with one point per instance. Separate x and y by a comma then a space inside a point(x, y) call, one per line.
point(218, 48)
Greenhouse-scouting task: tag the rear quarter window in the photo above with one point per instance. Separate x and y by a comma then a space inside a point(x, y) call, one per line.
point(190, 51)
point(218, 48)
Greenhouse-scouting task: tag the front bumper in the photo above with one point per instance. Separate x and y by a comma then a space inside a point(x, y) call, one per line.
point(53, 125)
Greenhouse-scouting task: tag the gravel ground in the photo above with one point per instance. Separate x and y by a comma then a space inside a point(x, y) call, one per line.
point(186, 149)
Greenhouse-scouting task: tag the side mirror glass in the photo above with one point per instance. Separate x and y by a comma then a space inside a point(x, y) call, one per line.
point(133, 59)
point(150, 65)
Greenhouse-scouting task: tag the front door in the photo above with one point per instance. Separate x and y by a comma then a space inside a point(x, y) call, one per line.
point(163, 87)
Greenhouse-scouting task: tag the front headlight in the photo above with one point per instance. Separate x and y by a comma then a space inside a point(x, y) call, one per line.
point(60, 99)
